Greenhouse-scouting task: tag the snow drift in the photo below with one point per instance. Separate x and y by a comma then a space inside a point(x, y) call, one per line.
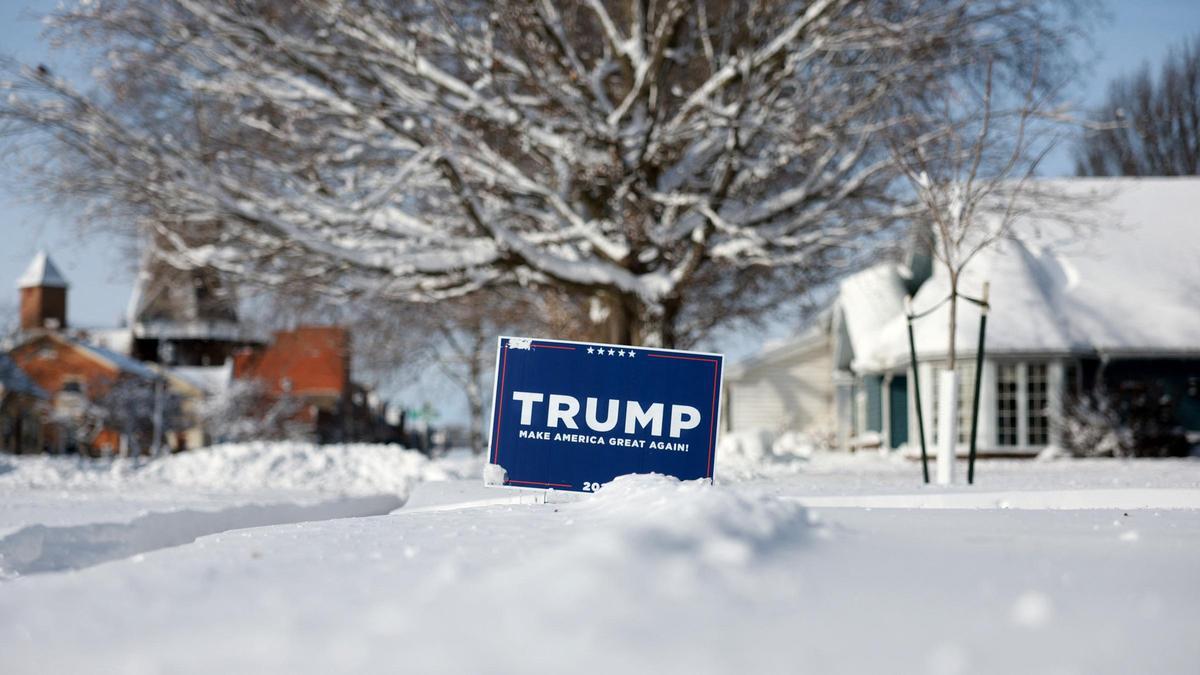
point(238, 467)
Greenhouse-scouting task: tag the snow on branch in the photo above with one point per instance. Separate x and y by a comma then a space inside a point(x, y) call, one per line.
point(621, 149)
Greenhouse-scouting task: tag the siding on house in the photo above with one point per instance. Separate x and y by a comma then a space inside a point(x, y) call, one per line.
point(791, 391)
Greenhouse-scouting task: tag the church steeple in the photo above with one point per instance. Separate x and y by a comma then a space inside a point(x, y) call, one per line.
point(43, 291)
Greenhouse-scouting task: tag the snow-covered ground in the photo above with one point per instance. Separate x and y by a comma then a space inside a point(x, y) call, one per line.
point(250, 558)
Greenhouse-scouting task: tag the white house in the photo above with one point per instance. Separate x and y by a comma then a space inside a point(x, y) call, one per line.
point(1117, 304)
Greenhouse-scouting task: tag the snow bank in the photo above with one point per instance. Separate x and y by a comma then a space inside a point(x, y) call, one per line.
point(351, 469)
point(747, 455)
point(639, 515)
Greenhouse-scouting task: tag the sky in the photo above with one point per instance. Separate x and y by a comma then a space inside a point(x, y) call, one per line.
point(100, 268)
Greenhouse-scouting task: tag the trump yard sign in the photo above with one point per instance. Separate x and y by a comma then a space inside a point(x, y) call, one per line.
point(574, 415)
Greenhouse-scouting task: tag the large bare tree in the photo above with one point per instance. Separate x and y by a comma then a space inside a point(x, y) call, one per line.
point(1157, 129)
point(680, 161)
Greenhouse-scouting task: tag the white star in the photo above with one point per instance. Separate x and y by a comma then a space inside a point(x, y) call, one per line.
point(621, 353)
point(631, 353)
point(611, 352)
point(591, 351)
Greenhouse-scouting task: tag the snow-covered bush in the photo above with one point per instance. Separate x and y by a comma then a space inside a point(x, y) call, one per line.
point(244, 411)
point(1099, 425)
point(744, 455)
point(1092, 428)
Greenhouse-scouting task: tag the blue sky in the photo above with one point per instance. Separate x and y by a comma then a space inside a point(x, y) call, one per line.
point(101, 270)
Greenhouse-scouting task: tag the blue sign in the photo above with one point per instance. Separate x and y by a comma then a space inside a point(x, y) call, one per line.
point(573, 415)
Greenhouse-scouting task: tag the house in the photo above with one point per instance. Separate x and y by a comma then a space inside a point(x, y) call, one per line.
point(1109, 313)
point(129, 389)
point(308, 369)
point(100, 400)
point(787, 387)
point(182, 318)
point(23, 407)
point(92, 391)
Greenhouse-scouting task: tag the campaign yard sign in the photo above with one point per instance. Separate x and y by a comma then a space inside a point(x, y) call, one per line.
point(575, 415)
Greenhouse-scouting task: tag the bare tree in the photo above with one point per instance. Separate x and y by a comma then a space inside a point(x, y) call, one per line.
point(659, 156)
point(247, 410)
point(1158, 122)
point(971, 172)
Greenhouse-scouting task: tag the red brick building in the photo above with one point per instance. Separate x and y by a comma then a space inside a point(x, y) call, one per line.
point(185, 347)
point(311, 366)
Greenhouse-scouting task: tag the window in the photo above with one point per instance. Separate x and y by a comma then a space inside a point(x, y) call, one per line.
point(72, 385)
point(1023, 404)
point(1038, 416)
point(1006, 404)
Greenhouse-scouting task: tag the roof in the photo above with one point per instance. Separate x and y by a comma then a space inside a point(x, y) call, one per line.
point(209, 379)
point(310, 360)
point(867, 301)
point(1126, 285)
point(123, 363)
point(42, 272)
point(12, 378)
point(776, 351)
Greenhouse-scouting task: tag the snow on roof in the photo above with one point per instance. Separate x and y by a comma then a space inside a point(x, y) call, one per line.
point(867, 300)
point(12, 378)
point(210, 379)
point(125, 364)
point(1127, 285)
point(42, 272)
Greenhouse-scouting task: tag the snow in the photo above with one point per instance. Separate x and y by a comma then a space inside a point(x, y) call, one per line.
point(1125, 284)
point(42, 272)
point(122, 362)
point(866, 301)
point(235, 467)
point(209, 379)
point(649, 574)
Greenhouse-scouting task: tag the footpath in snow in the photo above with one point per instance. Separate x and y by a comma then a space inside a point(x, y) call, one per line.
point(61, 513)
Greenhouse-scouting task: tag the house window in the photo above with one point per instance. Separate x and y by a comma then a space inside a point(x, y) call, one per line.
point(1006, 404)
point(966, 392)
point(1037, 391)
point(1023, 404)
point(72, 385)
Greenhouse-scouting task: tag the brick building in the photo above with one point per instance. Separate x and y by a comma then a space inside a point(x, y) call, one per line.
point(183, 347)
point(23, 409)
point(310, 366)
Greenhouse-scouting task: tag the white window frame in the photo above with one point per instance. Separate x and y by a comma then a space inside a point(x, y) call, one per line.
point(1054, 387)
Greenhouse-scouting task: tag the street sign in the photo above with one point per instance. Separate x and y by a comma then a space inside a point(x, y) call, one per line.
point(575, 415)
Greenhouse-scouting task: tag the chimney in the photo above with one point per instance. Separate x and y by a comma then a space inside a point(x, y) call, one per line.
point(43, 295)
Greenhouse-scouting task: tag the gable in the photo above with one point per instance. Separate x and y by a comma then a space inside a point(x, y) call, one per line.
point(50, 362)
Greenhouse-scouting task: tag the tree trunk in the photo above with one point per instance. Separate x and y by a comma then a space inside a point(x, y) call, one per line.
point(632, 322)
point(475, 396)
point(951, 353)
